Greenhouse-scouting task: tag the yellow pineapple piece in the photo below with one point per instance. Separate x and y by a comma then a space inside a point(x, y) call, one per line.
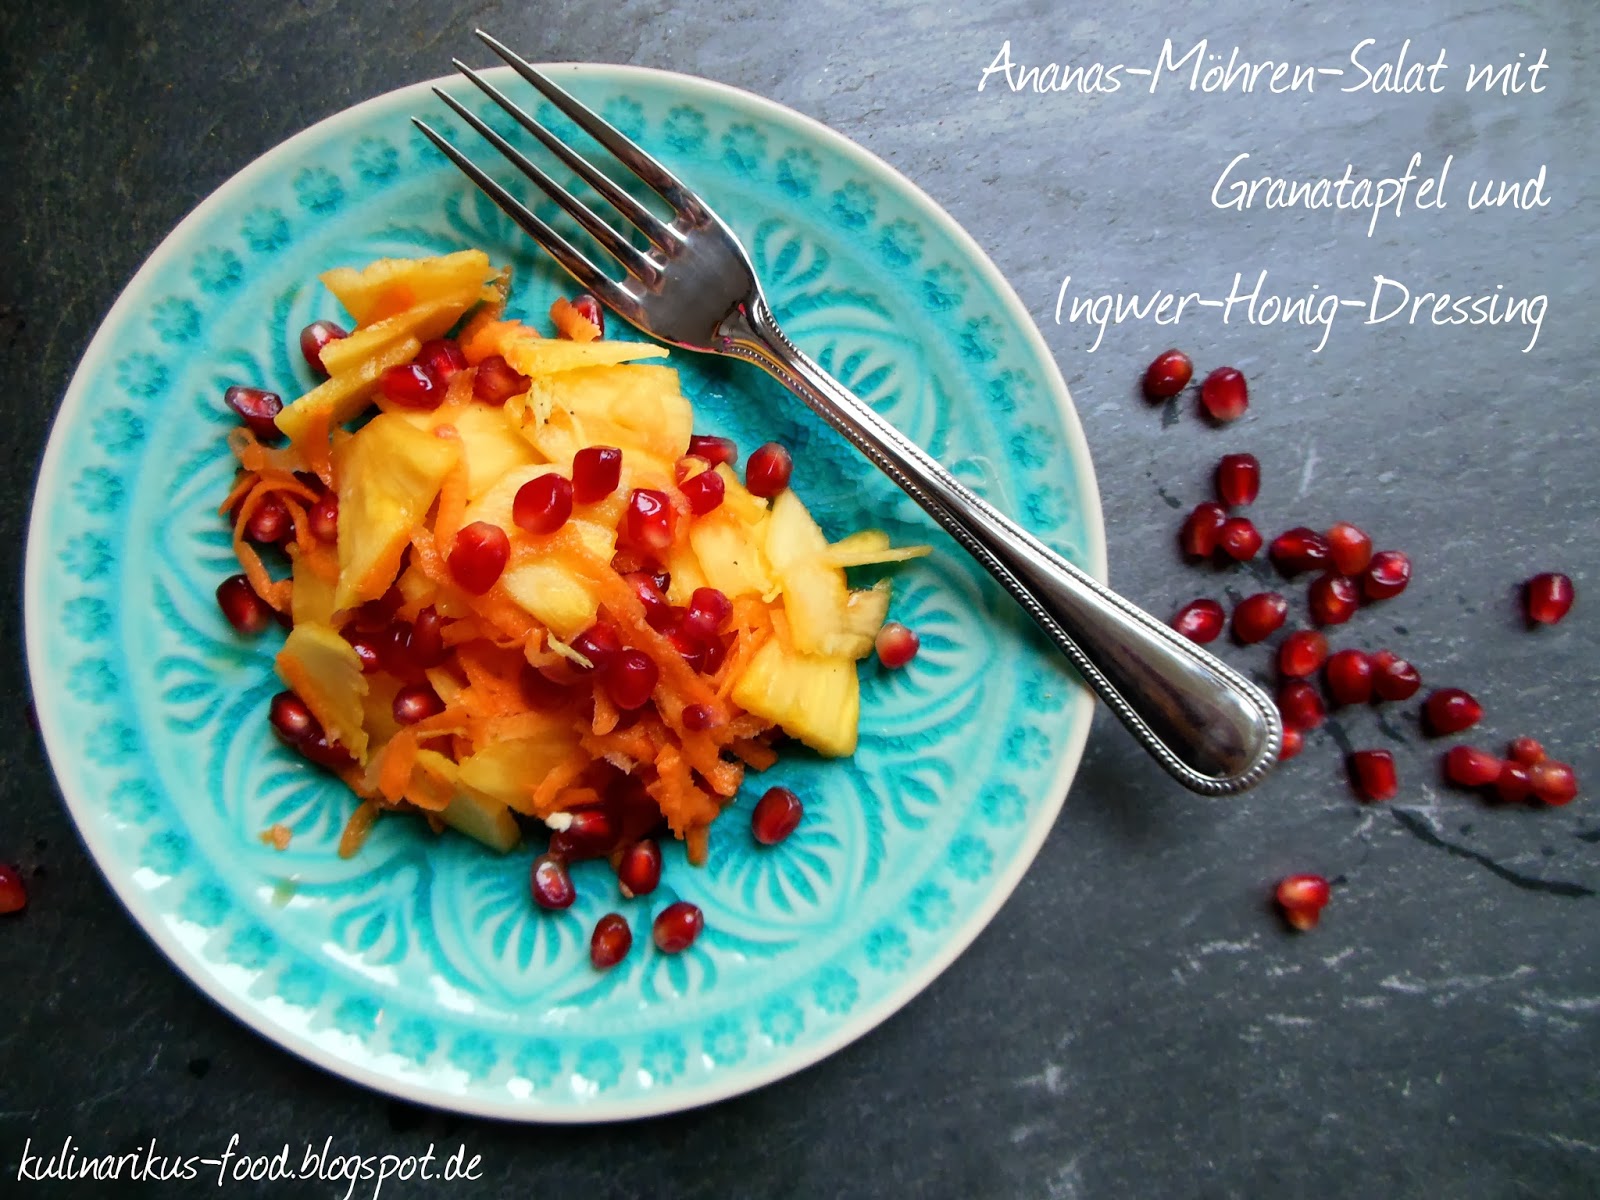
point(342, 397)
point(814, 592)
point(729, 556)
point(392, 285)
point(433, 781)
point(482, 819)
point(324, 671)
point(312, 597)
point(811, 697)
point(423, 321)
point(737, 500)
point(489, 442)
point(508, 771)
point(637, 408)
point(377, 710)
point(555, 596)
point(864, 613)
point(686, 575)
point(870, 546)
point(534, 356)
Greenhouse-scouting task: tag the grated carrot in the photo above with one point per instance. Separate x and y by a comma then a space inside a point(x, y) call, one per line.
point(357, 828)
point(570, 323)
point(452, 507)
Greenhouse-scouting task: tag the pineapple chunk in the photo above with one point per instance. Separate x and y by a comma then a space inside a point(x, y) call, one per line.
point(868, 547)
point(312, 597)
point(814, 592)
point(730, 556)
point(377, 709)
point(814, 698)
point(324, 670)
point(388, 476)
point(864, 612)
point(562, 601)
point(637, 408)
point(424, 321)
point(684, 569)
point(344, 396)
point(482, 819)
point(737, 500)
point(433, 781)
point(489, 442)
point(495, 502)
point(534, 356)
point(508, 771)
point(392, 285)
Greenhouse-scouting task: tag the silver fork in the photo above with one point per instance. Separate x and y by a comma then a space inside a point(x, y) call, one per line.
point(694, 288)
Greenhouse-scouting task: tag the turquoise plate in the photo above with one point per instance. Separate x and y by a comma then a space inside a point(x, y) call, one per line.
point(420, 967)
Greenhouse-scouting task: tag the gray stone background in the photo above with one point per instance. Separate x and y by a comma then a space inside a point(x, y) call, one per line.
point(1135, 1022)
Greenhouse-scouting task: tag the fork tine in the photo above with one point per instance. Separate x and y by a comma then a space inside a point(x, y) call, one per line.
point(572, 259)
point(619, 247)
point(661, 180)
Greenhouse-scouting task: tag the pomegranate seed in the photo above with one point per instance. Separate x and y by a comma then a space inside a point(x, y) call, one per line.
point(416, 702)
point(1199, 620)
point(1302, 652)
point(896, 645)
point(1372, 774)
point(1302, 899)
point(1450, 710)
point(704, 492)
point(1224, 395)
point(291, 720)
point(1514, 785)
point(411, 385)
point(1299, 549)
point(1553, 782)
point(1168, 375)
point(1467, 766)
point(1349, 677)
point(776, 815)
point(442, 358)
point(544, 504)
point(320, 750)
point(247, 612)
point(1301, 706)
point(1293, 742)
point(589, 309)
point(496, 381)
point(1548, 597)
point(1393, 678)
point(1333, 599)
point(1525, 751)
point(13, 892)
point(1259, 616)
point(1387, 575)
point(658, 613)
point(767, 473)
point(1350, 549)
point(256, 408)
point(599, 644)
point(591, 834)
point(424, 642)
point(697, 718)
point(677, 926)
point(270, 524)
point(480, 553)
point(596, 471)
point(648, 521)
point(1239, 539)
point(544, 693)
point(716, 654)
point(324, 519)
point(610, 942)
point(552, 883)
point(630, 678)
point(314, 337)
point(366, 647)
point(1201, 529)
point(714, 449)
point(708, 611)
point(1238, 479)
point(639, 869)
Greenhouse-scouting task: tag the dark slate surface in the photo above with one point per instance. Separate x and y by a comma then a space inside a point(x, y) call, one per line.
point(1136, 1022)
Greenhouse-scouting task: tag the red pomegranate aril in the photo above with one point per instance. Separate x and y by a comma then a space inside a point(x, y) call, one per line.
point(1450, 710)
point(1350, 548)
point(1299, 549)
point(291, 719)
point(639, 868)
point(1555, 783)
point(1293, 742)
point(314, 337)
point(630, 678)
point(596, 471)
point(1301, 653)
point(1548, 598)
point(1201, 529)
point(1333, 599)
point(1525, 750)
point(1238, 479)
point(1467, 766)
point(599, 644)
point(442, 357)
point(552, 883)
point(1168, 375)
point(479, 556)
point(1372, 774)
point(416, 702)
point(1224, 395)
point(1239, 539)
point(1386, 575)
point(590, 310)
point(1301, 706)
point(697, 718)
point(247, 612)
point(544, 504)
point(1348, 676)
point(1199, 620)
point(676, 926)
point(610, 942)
point(1393, 678)
point(367, 650)
point(318, 749)
point(1514, 785)
point(13, 892)
point(323, 518)
point(411, 385)
point(543, 693)
point(496, 381)
point(648, 520)
point(591, 833)
point(256, 408)
point(708, 611)
point(658, 613)
point(714, 449)
point(424, 644)
point(270, 523)
point(768, 470)
point(896, 645)
point(1302, 899)
point(1259, 616)
point(777, 814)
point(704, 492)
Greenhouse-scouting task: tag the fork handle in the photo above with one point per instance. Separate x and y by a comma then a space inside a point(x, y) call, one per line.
point(1212, 729)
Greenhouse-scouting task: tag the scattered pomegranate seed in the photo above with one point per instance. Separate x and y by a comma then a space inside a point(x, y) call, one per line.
point(323, 518)
point(1372, 774)
point(543, 504)
point(13, 892)
point(1302, 652)
point(1302, 899)
point(676, 927)
point(1224, 395)
point(1239, 539)
point(1259, 616)
point(708, 611)
point(658, 613)
point(314, 337)
point(1548, 598)
point(366, 647)
point(589, 309)
point(596, 471)
point(1555, 783)
point(247, 612)
point(256, 408)
point(648, 520)
point(1199, 620)
point(1168, 375)
point(330, 755)
point(496, 381)
point(714, 449)
point(270, 524)
point(1350, 548)
point(1349, 677)
point(1201, 529)
point(639, 869)
point(599, 644)
point(424, 641)
point(552, 883)
point(1393, 678)
point(291, 720)
point(1514, 785)
point(896, 645)
point(1301, 706)
point(1525, 751)
point(1299, 549)
point(592, 833)
point(1387, 575)
point(767, 473)
point(411, 385)
point(442, 357)
point(630, 678)
point(1467, 766)
point(1333, 599)
point(697, 718)
point(776, 816)
point(704, 492)
point(1238, 479)
point(416, 702)
point(610, 942)
point(1450, 710)
point(1293, 742)
point(480, 554)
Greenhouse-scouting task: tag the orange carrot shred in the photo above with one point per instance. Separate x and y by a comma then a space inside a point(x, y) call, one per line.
point(572, 324)
point(357, 828)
